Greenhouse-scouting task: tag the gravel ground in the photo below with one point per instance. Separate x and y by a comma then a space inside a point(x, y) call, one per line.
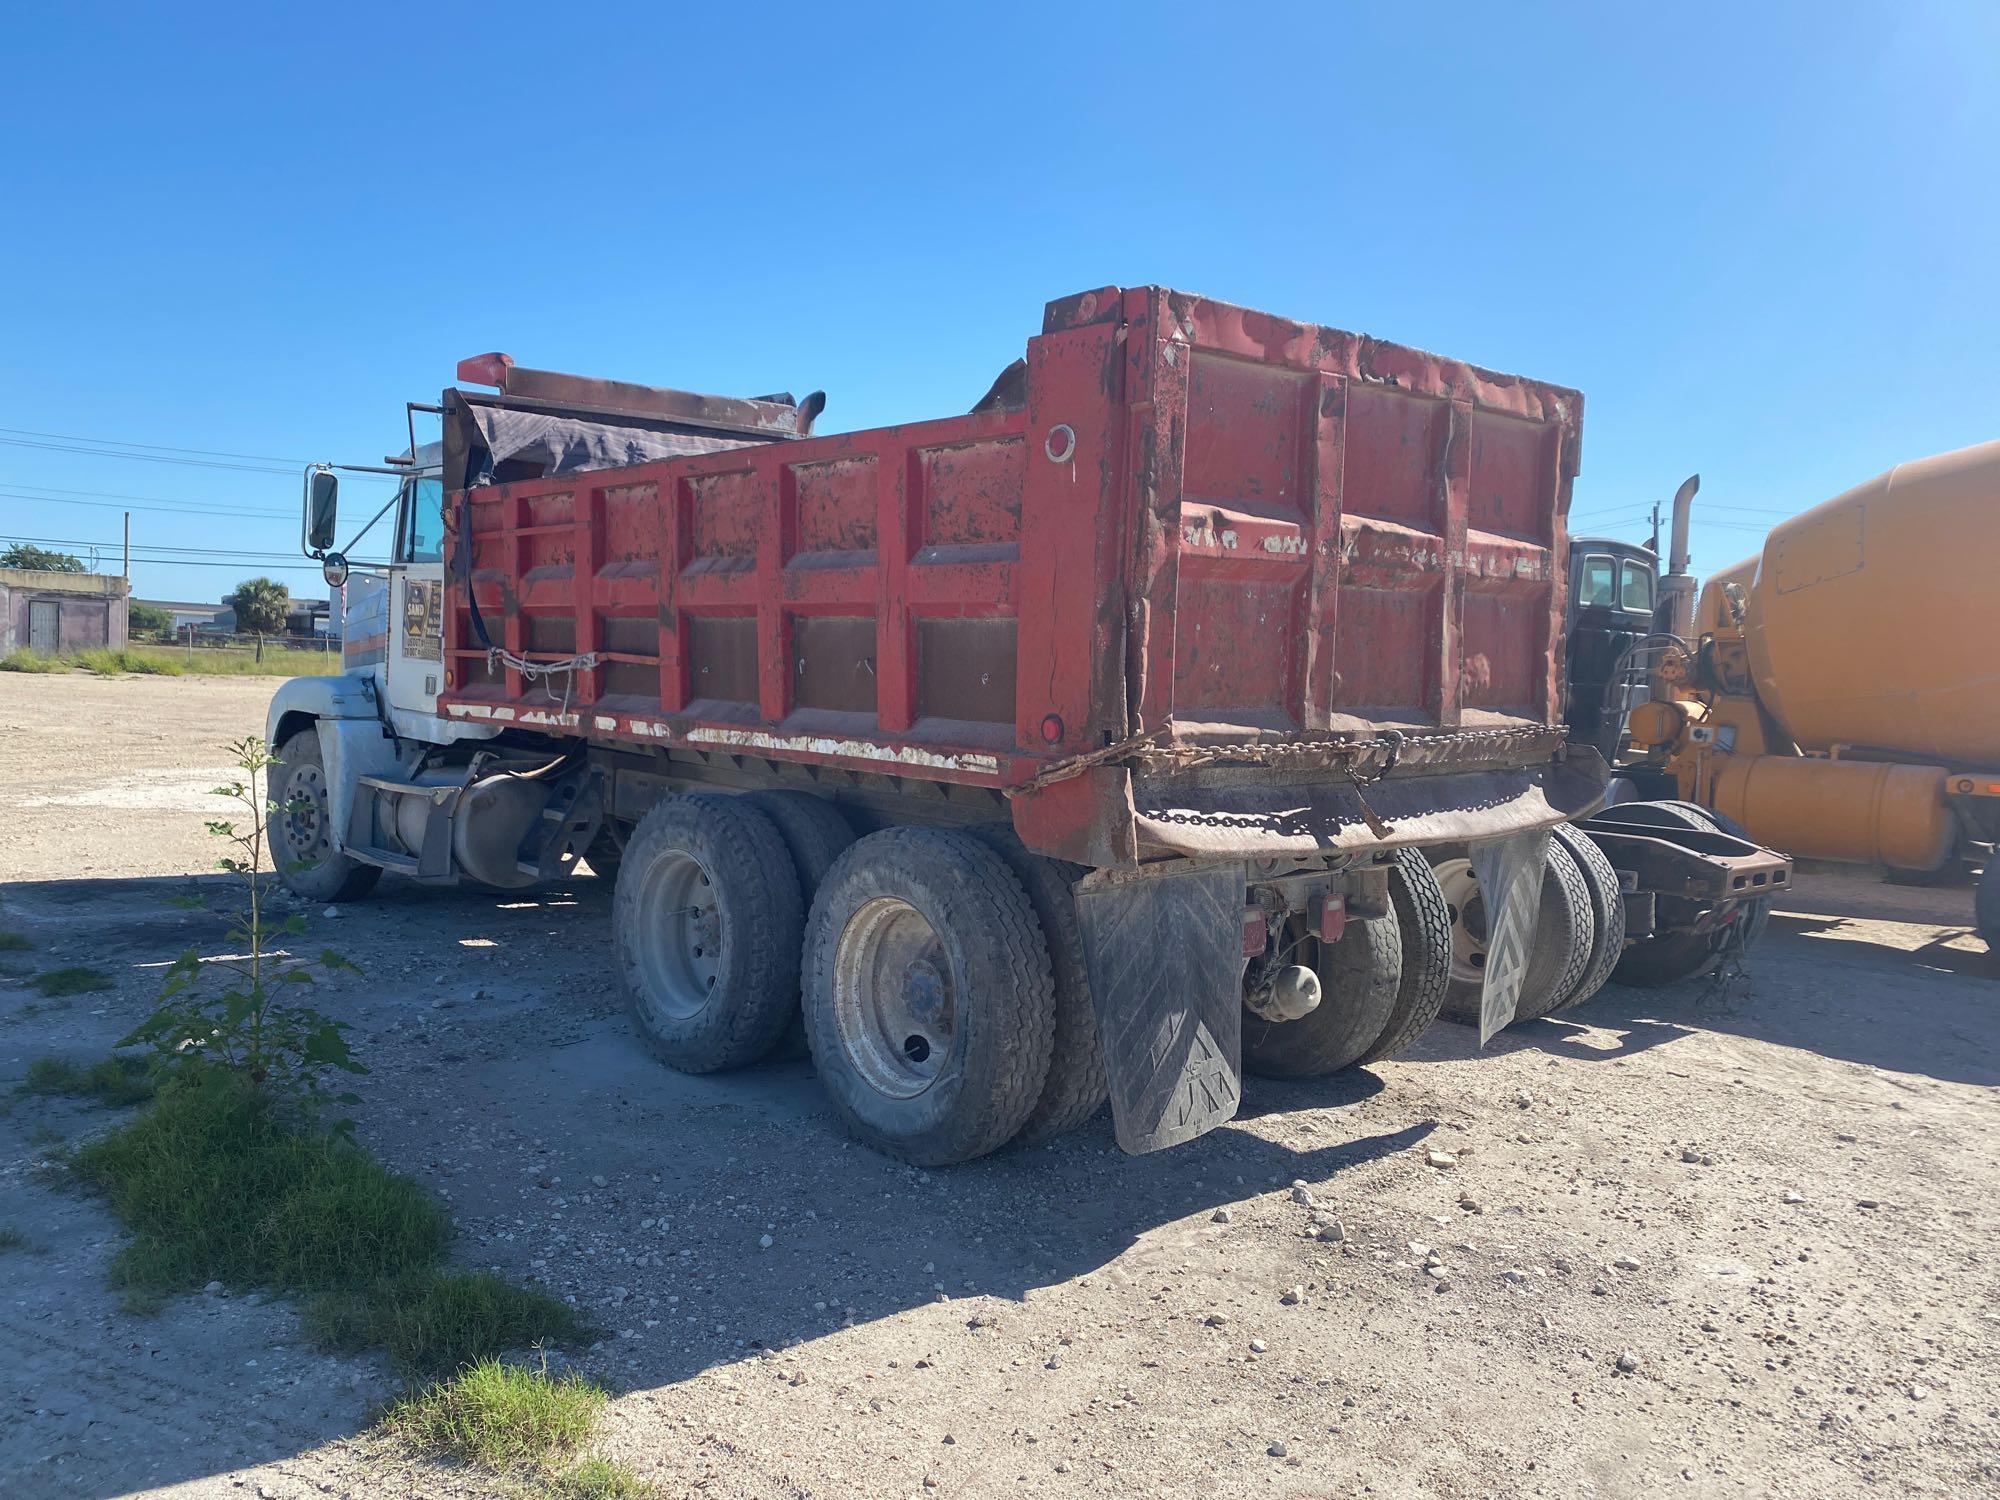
point(1680, 1242)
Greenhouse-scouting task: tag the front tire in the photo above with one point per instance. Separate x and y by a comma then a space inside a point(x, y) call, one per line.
point(300, 827)
point(929, 1003)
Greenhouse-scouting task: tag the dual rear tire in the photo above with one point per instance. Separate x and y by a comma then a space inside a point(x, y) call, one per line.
point(1566, 941)
point(1381, 986)
point(940, 970)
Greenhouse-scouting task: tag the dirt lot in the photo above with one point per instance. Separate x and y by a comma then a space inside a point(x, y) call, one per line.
point(1777, 1205)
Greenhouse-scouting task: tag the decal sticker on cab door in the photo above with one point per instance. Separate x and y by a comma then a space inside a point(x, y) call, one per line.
point(423, 619)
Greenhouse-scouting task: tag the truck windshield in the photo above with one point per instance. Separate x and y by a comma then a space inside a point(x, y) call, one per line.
point(1594, 581)
point(423, 534)
point(1635, 589)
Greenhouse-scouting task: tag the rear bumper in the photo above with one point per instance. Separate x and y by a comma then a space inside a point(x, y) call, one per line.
point(1115, 815)
point(1265, 813)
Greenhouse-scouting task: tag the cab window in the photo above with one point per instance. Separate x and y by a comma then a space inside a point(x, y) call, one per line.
point(1597, 581)
point(423, 521)
point(1635, 589)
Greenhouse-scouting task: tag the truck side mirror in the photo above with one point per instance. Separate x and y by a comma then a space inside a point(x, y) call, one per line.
point(322, 505)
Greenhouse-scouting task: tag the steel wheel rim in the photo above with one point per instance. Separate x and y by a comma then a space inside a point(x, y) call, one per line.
point(1460, 884)
point(679, 948)
point(305, 821)
point(894, 1002)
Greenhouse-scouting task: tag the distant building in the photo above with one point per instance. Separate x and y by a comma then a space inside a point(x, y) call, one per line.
point(47, 613)
point(184, 614)
point(309, 617)
point(305, 617)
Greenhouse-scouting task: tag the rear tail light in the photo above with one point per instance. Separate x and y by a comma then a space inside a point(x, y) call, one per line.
point(1330, 920)
point(1256, 931)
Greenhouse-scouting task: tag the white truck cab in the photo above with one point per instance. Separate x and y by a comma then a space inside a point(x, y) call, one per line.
point(371, 777)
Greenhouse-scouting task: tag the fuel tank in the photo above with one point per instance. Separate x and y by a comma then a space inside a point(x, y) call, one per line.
point(1873, 620)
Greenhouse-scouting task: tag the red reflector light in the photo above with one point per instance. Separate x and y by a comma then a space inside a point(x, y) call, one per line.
point(1052, 729)
point(486, 369)
point(1255, 931)
point(1332, 921)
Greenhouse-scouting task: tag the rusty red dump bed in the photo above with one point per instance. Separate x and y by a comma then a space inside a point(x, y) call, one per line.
point(1178, 598)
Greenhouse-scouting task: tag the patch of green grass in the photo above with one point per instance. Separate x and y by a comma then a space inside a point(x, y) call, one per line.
point(77, 979)
point(20, 659)
point(598, 1479)
point(499, 1416)
point(12, 1239)
point(171, 661)
point(113, 1082)
point(13, 942)
point(219, 1183)
point(116, 661)
point(435, 1321)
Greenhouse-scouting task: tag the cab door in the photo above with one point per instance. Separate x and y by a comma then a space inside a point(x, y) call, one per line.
point(416, 597)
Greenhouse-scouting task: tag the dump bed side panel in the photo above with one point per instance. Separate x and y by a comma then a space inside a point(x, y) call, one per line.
point(924, 600)
point(1335, 532)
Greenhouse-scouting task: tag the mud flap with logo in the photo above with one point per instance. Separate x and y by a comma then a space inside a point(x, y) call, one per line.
point(1510, 882)
point(1165, 956)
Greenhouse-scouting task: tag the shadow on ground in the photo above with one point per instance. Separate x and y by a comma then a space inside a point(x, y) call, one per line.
point(1822, 980)
point(505, 1075)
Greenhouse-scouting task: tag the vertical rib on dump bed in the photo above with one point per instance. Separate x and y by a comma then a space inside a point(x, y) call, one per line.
point(1204, 523)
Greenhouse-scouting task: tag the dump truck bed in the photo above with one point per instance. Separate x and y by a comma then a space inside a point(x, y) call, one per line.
point(1207, 577)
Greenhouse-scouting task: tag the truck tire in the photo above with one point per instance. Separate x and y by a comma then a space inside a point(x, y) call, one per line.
point(1556, 959)
point(300, 828)
point(1607, 914)
point(929, 1001)
point(1986, 904)
point(1673, 956)
point(1077, 1086)
point(812, 828)
point(707, 920)
point(1425, 922)
point(817, 835)
point(1561, 952)
point(1359, 978)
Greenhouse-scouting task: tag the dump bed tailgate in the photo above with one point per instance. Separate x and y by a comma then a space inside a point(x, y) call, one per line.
point(1338, 532)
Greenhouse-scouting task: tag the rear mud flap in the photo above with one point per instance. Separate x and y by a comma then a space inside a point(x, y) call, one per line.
point(1165, 955)
point(1510, 878)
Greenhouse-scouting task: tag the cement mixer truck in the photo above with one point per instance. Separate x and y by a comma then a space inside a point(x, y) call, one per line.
point(1837, 696)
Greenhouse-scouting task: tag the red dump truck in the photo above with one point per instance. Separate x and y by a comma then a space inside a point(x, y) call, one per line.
point(1098, 740)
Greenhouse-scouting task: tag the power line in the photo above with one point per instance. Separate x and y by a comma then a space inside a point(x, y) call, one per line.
point(51, 489)
point(168, 510)
point(167, 458)
point(187, 562)
point(157, 458)
point(160, 552)
point(70, 437)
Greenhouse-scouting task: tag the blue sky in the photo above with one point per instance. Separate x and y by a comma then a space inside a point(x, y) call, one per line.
point(1764, 240)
